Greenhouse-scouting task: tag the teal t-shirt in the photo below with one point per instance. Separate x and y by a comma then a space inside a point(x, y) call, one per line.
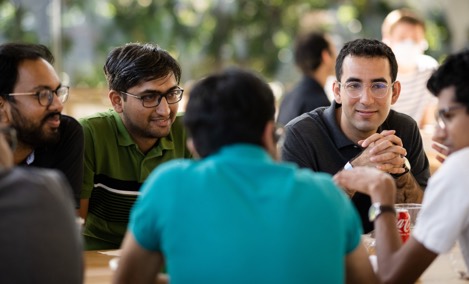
point(114, 170)
point(240, 217)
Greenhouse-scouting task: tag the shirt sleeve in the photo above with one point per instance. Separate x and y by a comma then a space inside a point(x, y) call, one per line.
point(89, 161)
point(445, 206)
point(71, 164)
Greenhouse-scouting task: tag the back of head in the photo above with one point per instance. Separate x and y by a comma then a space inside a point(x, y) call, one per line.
point(11, 55)
point(129, 65)
point(369, 48)
point(452, 73)
point(308, 51)
point(400, 16)
point(231, 107)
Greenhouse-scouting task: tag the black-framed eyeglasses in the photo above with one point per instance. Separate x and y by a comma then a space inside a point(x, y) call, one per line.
point(443, 116)
point(153, 99)
point(46, 96)
point(355, 89)
point(9, 133)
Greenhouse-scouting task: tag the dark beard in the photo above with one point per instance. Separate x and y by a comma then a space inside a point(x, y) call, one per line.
point(33, 135)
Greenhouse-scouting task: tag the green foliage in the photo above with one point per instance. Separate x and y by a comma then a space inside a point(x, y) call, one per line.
point(205, 35)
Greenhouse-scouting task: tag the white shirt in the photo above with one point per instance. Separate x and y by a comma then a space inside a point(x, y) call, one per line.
point(444, 217)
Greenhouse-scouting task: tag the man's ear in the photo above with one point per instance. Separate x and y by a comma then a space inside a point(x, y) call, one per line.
point(336, 91)
point(116, 101)
point(191, 147)
point(268, 140)
point(4, 110)
point(396, 91)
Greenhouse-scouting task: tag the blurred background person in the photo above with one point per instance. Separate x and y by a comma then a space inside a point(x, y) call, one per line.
point(40, 240)
point(404, 31)
point(237, 215)
point(315, 56)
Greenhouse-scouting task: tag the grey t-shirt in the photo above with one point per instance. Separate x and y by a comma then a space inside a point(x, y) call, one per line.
point(40, 240)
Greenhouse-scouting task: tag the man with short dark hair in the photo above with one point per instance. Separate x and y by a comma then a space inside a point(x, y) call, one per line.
point(360, 129)
point(40, 240)
point(32, 98)
point(237, 215)
point(443, 219)
point(123, 145)
point(315, 57)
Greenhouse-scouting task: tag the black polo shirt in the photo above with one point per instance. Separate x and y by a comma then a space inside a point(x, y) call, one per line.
point(314, 140)
point(66, 155)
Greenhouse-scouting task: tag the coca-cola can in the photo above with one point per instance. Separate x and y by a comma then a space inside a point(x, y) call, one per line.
point(403, 224)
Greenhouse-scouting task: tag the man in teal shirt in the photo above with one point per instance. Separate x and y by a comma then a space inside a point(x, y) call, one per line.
point(123, 145)
point(237, 215)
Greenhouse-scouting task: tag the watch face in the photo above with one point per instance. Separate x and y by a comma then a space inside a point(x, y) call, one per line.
point(373, 212)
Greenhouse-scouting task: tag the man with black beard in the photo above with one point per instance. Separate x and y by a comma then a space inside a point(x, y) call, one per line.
point(31, 99)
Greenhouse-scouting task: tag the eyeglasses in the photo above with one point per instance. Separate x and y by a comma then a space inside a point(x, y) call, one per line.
point(10, 136)
point(355, 89)
point(154, 99)
point(46, 96)
point(443, 116)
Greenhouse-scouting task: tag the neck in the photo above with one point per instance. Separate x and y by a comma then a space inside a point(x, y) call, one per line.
point(320, 75)
point(354, 136)
point(21, 152)
point(145, 144)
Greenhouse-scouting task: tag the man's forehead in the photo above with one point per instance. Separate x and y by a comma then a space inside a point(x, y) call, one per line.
point(365, 68)
point(33, 73)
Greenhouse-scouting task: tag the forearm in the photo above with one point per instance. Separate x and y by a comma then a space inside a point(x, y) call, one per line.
point(408, 189)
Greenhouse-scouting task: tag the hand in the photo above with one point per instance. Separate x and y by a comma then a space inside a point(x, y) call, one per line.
point(383, 151)
point(378, 185)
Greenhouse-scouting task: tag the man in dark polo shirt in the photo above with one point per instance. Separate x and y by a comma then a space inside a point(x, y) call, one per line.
point(360, 129)
point(32, 98)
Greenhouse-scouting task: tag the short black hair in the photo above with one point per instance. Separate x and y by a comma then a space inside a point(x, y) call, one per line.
point(452, 73)
point(308, 51)
point(230, 107)
point(370, 48)
point(11, 55)
point(134, 63)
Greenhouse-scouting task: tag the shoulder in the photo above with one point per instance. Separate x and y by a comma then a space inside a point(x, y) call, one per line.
point(69, 124)
point(97, 118)
point(426, 62)
point(24, 178)
point(398, 120)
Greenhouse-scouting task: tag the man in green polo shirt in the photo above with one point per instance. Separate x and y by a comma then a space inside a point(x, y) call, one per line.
point(124, 144)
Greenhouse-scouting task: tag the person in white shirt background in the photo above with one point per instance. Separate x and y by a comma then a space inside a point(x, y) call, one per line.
point(404, 31)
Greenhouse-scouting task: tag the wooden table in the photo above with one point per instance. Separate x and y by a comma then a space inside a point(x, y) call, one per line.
point(97, 270)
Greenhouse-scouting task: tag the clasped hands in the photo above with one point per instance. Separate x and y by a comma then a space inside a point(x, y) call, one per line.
point(383, 151)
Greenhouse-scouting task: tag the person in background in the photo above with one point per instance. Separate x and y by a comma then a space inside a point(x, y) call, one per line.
point(360, 129)
point(236, 215)
point(442, 221)
point(123, 145)
point(40, 241)
point(32, 98)
point(404, 31)
point(315, 56)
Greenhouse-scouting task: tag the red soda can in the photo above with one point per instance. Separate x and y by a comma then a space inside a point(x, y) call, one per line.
point(403, 224)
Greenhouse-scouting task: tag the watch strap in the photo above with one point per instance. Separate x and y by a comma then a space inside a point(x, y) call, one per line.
point(377, 209)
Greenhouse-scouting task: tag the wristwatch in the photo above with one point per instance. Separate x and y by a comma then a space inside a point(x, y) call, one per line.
point(406, 167)
point(377, 209)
